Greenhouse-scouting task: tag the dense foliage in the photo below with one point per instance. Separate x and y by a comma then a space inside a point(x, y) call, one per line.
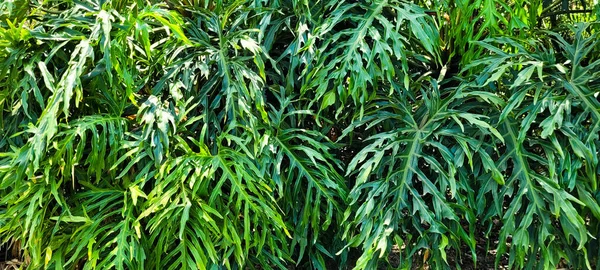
point(195, 134)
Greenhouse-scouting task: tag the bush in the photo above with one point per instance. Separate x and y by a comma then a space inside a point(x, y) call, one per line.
point(309, 134)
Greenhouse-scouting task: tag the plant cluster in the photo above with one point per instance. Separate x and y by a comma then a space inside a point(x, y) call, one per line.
point(196, 134)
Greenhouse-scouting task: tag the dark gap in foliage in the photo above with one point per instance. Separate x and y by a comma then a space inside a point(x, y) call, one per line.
point(4, 253)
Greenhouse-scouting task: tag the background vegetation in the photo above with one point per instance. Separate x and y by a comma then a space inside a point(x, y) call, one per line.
point(186, 134)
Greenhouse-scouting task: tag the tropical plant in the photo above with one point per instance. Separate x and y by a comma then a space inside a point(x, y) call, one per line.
point(193, 134)
point(550, 123)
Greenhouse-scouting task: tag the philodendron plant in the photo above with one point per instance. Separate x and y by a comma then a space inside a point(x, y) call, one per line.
point(194, 134)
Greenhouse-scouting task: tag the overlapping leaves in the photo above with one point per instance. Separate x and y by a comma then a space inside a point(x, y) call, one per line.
point(366, 45)
point(549, 124)
point(403, 187)
point(206, 134)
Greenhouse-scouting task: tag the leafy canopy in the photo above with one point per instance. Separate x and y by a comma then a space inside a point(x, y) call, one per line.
point(193, 134)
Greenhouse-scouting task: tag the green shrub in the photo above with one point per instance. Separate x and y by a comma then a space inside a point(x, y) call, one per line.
point(310, 134)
